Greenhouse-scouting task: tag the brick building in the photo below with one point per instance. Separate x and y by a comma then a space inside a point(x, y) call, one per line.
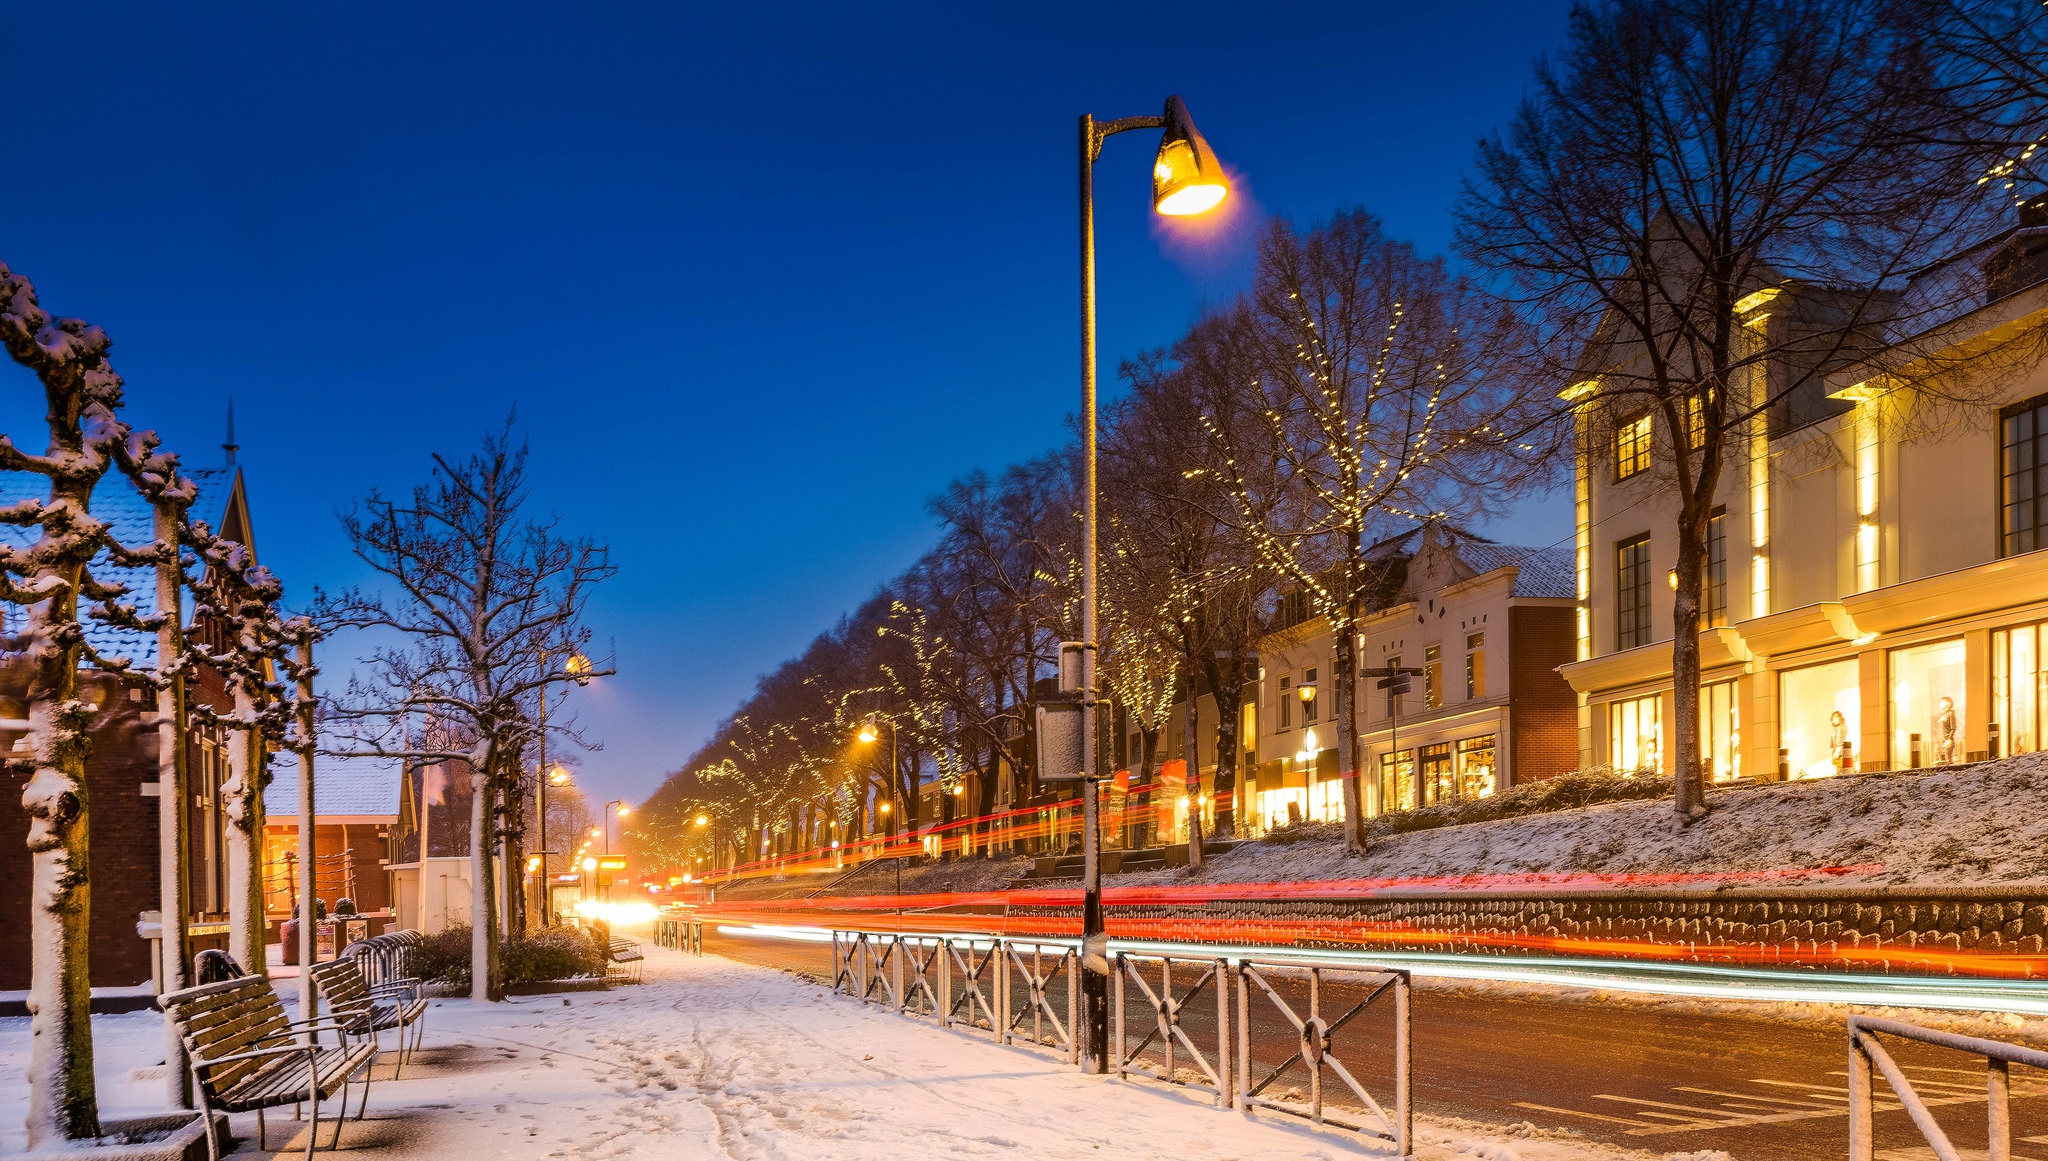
point(121, 772)
point(355, 811)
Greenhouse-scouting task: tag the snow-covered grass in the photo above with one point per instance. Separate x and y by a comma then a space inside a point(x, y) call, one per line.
point(714, 1059)
point(1981, 824)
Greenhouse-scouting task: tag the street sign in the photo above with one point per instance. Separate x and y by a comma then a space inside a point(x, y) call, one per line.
point(1062, 741)
point(612, 863)
point(1394, 684)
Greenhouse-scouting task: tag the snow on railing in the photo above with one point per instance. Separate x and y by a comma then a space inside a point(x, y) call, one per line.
point(1866, 1054)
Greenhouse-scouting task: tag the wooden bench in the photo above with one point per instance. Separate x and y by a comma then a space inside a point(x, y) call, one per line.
point(625, 955)
point(245, 1055)
point(361, 1008)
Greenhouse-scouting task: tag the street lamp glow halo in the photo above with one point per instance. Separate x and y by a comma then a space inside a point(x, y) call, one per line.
point(1186, 177)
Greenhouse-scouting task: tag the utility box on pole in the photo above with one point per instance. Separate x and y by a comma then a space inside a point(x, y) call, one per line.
point(1062, 731)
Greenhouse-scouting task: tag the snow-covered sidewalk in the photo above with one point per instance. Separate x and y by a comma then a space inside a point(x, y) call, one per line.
point(714, 1059)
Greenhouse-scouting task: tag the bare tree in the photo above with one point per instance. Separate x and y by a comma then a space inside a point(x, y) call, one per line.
point(1354, 391)
point(1704, 209)
point(483, 602)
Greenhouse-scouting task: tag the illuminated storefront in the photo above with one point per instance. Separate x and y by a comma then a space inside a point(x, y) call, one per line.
point(2017, 689)
point(1475, 767)
point(1397, 781)
point(1930, 705)
point(1819, 710)
point(1635, 733)
point(1721, 730)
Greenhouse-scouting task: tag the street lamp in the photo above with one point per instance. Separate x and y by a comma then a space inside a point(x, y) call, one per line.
point(1186, 179)
point(579, 670)
point(622, 812)
point(867, 735)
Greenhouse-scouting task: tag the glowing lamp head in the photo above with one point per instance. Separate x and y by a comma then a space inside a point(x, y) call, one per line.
point(532, 863)
point(885, 808)
point(1186, 177)
point(558, 776)
point(1308, 692)
point(578, 667)
point(589, 864)
point(703, 820)
point(595, 831)
point(624, 810)
point(868, 732)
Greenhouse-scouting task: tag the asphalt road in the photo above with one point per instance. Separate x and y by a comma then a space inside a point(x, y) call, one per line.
point(1640, 1076)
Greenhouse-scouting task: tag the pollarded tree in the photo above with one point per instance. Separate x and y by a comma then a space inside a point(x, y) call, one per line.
point(47, 579)
point(482, 602)
point(1705, 209)
point(1355, 390)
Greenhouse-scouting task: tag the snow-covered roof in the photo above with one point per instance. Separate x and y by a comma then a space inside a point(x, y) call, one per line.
point(116, 502)
point(341, 786)
point(1544, 572)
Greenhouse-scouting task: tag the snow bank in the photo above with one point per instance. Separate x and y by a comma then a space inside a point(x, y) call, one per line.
point(1972, 825)
point(714, 1059)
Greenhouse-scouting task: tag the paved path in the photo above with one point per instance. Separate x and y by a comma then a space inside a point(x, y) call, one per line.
point(1642, 1076)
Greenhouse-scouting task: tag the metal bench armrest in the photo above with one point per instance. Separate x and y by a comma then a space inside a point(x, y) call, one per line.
point(302, 1026)
point(199, 1065)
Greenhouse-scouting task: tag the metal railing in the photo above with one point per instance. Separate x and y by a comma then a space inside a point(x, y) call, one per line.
point(679, 933)
point(1164, 1005)
point(389, 957)
point(1866, 1055)
point(1316, 1049)
point(1026, 991)
point(1042, 969)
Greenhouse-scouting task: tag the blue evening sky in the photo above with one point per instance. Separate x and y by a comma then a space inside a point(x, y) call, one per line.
point(759, 278)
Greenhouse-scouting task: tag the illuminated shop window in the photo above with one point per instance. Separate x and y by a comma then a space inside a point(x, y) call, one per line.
point(1930, 705)
point(1819, 708)
point(1636, 734)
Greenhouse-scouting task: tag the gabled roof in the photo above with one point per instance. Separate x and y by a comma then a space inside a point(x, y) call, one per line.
point(220, 504)
point(1544, 572)
point(342, 787)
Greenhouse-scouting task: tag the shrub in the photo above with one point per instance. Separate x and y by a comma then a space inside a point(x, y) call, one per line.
point(444, 957)
point(549, 953)
point(546, 953)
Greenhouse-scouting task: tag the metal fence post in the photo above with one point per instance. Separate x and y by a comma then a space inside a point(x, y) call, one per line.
point(896, 971)
point(1073, 1007)
point(1862, 1143)
point(1002, 991)
point(1226, 1086)
point(1404, 1047)
point(1998, 1082)
point(1244, 1038)
point(945, 983)
point(1116, 1016)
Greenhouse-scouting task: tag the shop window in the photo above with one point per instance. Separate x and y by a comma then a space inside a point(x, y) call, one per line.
point(1475, 767)
point(1819, 708)
point(1432, 676)
point(1439, 782)
point(1635, 733)
point(2023, 485)
point(1716, 581)
point(1307, 693)
point(1721, 731)
point(1285, 706)
point(1475, 666)
point(1930, 705)
point(1248, 727)
point(2018, 682)
point(1632, 447)
point(1397, 781)
point(1632, 592)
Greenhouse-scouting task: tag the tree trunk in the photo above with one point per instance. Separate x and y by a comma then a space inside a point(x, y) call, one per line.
point(1348, 746)
point(1226, 685)
point(1688, 796)
point(1190, 753)
point(242, 802)
point(483, 906)
point(63, 1102)
point(174, 841)
point(514, 860)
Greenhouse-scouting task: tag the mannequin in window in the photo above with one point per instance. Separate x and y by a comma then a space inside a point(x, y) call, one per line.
point(1838, 739)
point(1945, 733)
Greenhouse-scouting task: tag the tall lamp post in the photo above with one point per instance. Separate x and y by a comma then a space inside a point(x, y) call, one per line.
point(867, 736)
point(1186, 179)
point(578, 666)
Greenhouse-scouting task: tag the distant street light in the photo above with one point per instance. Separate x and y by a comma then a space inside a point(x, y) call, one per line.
point(1186, 179)
point(867, 735)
